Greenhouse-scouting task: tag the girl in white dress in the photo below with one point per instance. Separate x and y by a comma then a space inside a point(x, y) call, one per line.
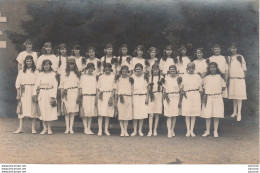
point(47, 54)
point(140, 98)
point(155, 96)
point(124, 58)
point(24, 85)
point(28, 51)
point(213, 106)
point(139, 58)
point(191, 100)
point(151, 56)
point(91, 58)
point(183, 60)
point(80, 60)
point(168, 59)
point(69, 86)
point(171, 98)
point(237, 84)
point(88, 89)
point(124, 99)
point(222, 63)
point(106, 93)
point(45, 92)
point(200, 63)
point(109, 58)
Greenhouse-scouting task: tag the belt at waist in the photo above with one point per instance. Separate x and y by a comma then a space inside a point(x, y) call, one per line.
point(236, 78)
point(215, 94)
point(139, 94)
point(46, 88)
point(191, 90)
point(88, 94)
point(176, 92)
point(109, 91)
point(71, 88)
point(129, 95)
point(28, 84)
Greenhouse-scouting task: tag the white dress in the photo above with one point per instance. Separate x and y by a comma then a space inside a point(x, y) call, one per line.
point(200, 66)
point(181, 67)
point(136, 60)
point(88, 84)
point(155, 106)
point(213, 89)
point(106, 84)
point(108, 60)
point(172, 89)
point(125, 62)
point(237, 84)
point(71, 84)
point(21, 57)
point(191, 106)
point(62, 68)
point(164, 65)
point(48, 88)
point(54, 60)
point(27, 80)
point(124, 88)
point(140, 109)
point(95, 62)
point(79, 63)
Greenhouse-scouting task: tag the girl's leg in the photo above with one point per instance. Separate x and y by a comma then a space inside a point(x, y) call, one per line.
point(89, 125)
point(100, 121)
point(49, 127)
point(33, 125)
point(169, 122)
point(193, 119)
point(187, 121)
point(122, 127)
point(106, 126)
point(125, 127)
point(150, 125)
point(239, 107)
point(207, 132)
point(67, 122)
point(72, 116)
point(135, 128)
point(44, 128)
point(173, 125)
point(234, 108)
point(156, 124)
point(85, 124)
point(19, 130)
point(141, 127)
point(216, 123)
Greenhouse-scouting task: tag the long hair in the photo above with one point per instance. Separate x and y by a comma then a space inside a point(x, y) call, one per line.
point(44, 62)
point(76, 70)
point(44, 46)
point(217, 70)
point(164, 58)
point(150, 50)
point(120, 53)
point(195, 57)
point(180, 54)
point(141, 47)
point(109, 45)
point(25, 67)
point(239, 57)
point(90, 48)
point(77, 47)
point(159, 78)
point(62, 46)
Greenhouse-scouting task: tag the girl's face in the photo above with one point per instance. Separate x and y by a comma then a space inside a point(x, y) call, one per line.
point(140, 52)
point(107, 70)
point(216, 50)
point(48, 49)
point(233, 50)
point(29, 63)
point(28, 46)
point(168, 52)
point(153, 53)
point(172, 71)
point(76, 51)
point(47, 67)
point(190, 69)
point(91, 53)
point(109, 51)
point(156, 71)
point(63, 51)
point(124, 50)
point(199, 54)
point(72, 65)
point(183, 51)
point(138, 71)
point(90, 70)
point(213, 69)
point(124, 73)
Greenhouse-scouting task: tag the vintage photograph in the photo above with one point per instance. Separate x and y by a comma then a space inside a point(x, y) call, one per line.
point(129, 82)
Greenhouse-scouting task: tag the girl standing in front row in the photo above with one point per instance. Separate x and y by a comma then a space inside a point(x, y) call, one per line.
point(213, 106)
point(191, 101)
point(88, 85)
point(155, 95)
point(237, 84)
point(140, 98)
point(45, 92)
point(24, 84)
point(124, 99)
point(171, 98)
point(106, 94)
point(69, 93)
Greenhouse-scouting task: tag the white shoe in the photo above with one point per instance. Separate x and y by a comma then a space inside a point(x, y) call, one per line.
point(188, 134)
point(239, 118)
point(126, 134)
point(192, 134)
point(215, 134)
point(107, 133)
point(67, 131)
point(149, 133)
point(134, 133)
point(90, 132)
point(49, 132)
point(140, 133)
point(206, 134)
point(71, 132)
point(173, 134)
point(34, 131)
point(169, 135)
point(43, 132)
point(233, 115)
point(122, 134)
point(155, 133)
point(18, 131)
point(99, 133)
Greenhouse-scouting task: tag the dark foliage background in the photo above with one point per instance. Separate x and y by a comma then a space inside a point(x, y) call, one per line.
point(149, 22)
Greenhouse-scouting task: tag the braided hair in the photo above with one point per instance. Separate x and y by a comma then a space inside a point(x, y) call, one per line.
point(159, 78)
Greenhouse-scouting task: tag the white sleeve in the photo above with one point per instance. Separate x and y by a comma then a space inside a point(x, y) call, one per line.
point(18, 80)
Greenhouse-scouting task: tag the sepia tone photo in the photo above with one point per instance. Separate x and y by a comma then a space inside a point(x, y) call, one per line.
point(129, 82)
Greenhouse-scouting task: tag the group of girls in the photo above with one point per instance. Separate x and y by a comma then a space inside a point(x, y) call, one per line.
point(128, 88)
